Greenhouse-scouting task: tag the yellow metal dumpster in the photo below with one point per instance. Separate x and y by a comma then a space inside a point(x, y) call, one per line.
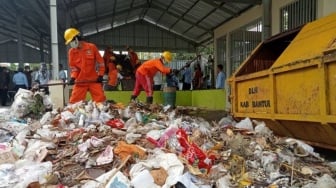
point(289, 81)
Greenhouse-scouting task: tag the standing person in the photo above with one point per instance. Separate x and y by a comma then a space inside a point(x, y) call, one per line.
point(157, 79)
point(133, 58)
point(62, 74)
point(187, 77)
point(220, 77)
point(83, 57)
point(34, 74)
point(28, 72)
point(20, 80)
point(42, 78)
point(197, 78)
point(4, 84)
point(145, 73)
point(110, 69)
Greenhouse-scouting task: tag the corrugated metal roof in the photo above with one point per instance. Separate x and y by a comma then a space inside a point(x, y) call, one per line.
point(193, 20)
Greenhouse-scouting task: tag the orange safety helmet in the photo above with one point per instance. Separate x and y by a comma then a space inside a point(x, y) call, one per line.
point(69, 35)
point(167, 56)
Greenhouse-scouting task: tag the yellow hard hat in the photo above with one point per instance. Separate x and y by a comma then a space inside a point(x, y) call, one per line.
point(69, 35)
point(167, 56)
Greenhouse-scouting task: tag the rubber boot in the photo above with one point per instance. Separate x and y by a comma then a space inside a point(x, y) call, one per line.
point(149, 100)
point(133, 98)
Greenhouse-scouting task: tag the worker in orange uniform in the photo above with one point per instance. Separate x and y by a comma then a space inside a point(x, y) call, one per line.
point(133, 57)
point(82, 57)
point(145, 73)
point(110, 69)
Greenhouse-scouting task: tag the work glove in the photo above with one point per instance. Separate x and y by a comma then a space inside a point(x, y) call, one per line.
point(72, 81)
point(100, 79)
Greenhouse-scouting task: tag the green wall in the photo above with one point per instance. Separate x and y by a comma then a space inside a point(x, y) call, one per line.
point(213, 99)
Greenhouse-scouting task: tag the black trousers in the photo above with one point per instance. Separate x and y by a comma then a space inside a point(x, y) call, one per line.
point(3, 96)
point(186, 86)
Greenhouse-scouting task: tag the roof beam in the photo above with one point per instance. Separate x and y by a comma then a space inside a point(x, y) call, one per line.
point(128, 13)
point(182, 16)
point(31, 26)
point(173, 32)
point(12, 33)
point(30, 16)
point(96, 13)
point(108, 15)
point(205, 16)
point(220, 7)
point(255, 2)
point(74, 4)
point(178, 16)
point(149, 3)
point(164, 12)
point(113, 14)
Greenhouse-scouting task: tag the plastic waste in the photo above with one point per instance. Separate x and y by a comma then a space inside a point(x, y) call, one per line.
point(143, 179)
point(164, 137)
point(81, 120)
point(131, 137)
point(138, 117)
point(189, 181)
point(194, 155)
point(22, 100)
point(106, 156)
point(245, 124)
point(116, 123)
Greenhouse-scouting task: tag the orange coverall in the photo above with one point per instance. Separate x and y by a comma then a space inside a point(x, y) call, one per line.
point(144, 76)
point(111, 67)
point(82, 63)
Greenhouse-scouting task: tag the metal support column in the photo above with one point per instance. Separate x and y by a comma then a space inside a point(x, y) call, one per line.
point(19, 36)
point(267, 19)
point(228, 69)
point(54, 40)
point(42, 60)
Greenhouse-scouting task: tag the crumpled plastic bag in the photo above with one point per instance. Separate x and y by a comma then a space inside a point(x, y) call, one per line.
point(117, 180)
point(143, 179)
point(159, 159)
point(190, 181)
point(33, 172)
point(302, 147)
point(22, 100)
point(106, 156)
point(245, 124)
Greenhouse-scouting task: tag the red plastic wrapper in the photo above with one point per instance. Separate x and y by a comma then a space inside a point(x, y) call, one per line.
point(116, 123)
point(164, 138)
point(152, 140)
point(194, 155)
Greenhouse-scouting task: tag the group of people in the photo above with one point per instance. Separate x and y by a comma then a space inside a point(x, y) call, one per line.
point(87, 69)
point(84, 57)
point(196, 80)
point(23, 78)
point(119, 66)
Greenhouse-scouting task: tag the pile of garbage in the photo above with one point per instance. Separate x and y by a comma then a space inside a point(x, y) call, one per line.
point(113, 145)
